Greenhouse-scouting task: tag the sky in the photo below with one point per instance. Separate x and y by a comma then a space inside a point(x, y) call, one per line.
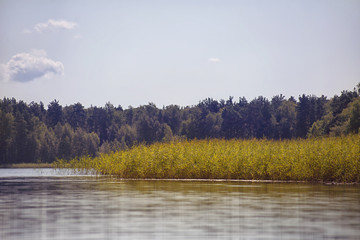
point(130, 52)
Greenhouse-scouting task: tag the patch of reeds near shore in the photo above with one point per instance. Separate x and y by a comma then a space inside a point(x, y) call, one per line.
point(332, 159)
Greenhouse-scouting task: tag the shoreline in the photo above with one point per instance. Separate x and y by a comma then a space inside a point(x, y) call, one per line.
point(27, 165)
point(49, 165)
point(235, 180)
point(220, 180)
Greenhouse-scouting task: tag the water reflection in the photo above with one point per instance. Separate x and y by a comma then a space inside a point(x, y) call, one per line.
point(73, 207)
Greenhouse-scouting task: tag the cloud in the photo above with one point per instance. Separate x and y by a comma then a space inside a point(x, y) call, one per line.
point(27, 66)
point(52, 25)
point(214, 60)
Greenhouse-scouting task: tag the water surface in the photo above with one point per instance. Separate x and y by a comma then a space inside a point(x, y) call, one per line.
point(45, 204)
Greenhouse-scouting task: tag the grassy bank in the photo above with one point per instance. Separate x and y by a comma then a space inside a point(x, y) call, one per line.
point(27, 165)
point(324, 159)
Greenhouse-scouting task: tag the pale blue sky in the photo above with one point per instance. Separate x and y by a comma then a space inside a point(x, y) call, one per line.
point(176, 52)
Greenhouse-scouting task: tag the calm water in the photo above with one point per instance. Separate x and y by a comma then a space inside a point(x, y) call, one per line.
point(43, 204)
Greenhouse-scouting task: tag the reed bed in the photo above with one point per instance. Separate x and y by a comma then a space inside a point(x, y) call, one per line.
point(331, 159)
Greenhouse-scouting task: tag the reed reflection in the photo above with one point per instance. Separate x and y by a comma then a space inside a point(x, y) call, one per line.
point(104, 208)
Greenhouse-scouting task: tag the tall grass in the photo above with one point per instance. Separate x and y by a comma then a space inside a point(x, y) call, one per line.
point(323, 159)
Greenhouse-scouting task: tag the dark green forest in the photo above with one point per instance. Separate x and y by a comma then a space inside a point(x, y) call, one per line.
point(35, 133)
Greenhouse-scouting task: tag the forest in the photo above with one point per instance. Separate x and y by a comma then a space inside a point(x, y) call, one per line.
point(33, 133)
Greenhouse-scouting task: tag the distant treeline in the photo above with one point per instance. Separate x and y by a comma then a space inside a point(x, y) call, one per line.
point(33, 133)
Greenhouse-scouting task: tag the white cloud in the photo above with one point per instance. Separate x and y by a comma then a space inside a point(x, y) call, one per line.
point(52, 24)
point(214, 60)
point(25, 67)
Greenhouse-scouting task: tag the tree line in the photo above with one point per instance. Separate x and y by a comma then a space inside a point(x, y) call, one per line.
point(33, 133)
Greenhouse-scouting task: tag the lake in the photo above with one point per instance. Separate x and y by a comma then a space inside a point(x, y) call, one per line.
point(48, 204)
